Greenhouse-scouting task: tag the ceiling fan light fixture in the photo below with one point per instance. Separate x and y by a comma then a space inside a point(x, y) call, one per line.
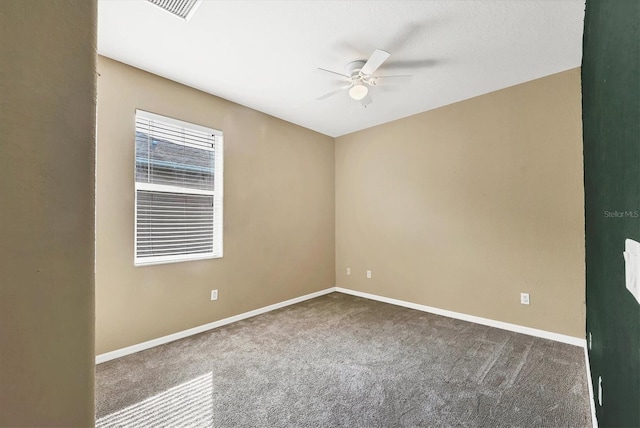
point(358, 92)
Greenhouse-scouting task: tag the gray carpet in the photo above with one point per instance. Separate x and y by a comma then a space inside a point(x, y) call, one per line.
point(344, 361)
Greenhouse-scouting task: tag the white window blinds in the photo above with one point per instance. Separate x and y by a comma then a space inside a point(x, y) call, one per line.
point(178, 170)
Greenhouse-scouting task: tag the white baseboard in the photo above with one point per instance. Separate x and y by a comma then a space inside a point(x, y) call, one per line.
point(464, 317)
point(590, 383)
point(471, 318)
point(195, 330)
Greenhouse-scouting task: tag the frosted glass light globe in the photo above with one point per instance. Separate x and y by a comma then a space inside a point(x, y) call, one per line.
point(358, 92)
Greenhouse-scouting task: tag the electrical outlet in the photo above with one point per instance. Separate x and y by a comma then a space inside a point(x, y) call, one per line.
point(348, 271)
point(589, 341)
point(214, 294)
point(524, 298)
point(369, 274)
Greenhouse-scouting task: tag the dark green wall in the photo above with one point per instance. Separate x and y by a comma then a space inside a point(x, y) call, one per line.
point(611, 125)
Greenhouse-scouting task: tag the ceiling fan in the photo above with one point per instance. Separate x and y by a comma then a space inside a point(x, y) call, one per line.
point(360, 76)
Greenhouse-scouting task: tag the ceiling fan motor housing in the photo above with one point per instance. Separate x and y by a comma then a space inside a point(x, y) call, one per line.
point(353, 68)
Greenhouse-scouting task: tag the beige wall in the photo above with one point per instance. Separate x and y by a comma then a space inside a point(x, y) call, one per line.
point(464, 207)
point(47, 143)
point(460, 208)
point(278, 214)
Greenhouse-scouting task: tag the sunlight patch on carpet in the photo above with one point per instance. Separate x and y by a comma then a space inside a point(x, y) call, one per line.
point(188, 404)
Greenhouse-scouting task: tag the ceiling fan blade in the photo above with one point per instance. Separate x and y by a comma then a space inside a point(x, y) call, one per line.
point(375, 60)
point(398, 78)
point(334, 72)
point(332, 93)
point(366, 100)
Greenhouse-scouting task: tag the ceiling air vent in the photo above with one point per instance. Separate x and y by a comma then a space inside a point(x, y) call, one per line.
point(181, 8)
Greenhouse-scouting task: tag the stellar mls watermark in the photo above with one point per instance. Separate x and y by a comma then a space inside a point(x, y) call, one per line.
point(622, 214)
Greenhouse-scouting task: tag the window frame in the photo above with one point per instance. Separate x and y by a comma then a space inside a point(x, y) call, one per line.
point(216, 193)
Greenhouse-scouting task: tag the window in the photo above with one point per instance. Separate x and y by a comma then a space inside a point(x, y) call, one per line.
point(178, 172)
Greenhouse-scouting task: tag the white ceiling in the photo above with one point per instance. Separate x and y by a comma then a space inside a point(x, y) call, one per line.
point(265, 54)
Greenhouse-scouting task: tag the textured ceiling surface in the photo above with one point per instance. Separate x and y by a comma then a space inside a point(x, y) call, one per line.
point(265, 54)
